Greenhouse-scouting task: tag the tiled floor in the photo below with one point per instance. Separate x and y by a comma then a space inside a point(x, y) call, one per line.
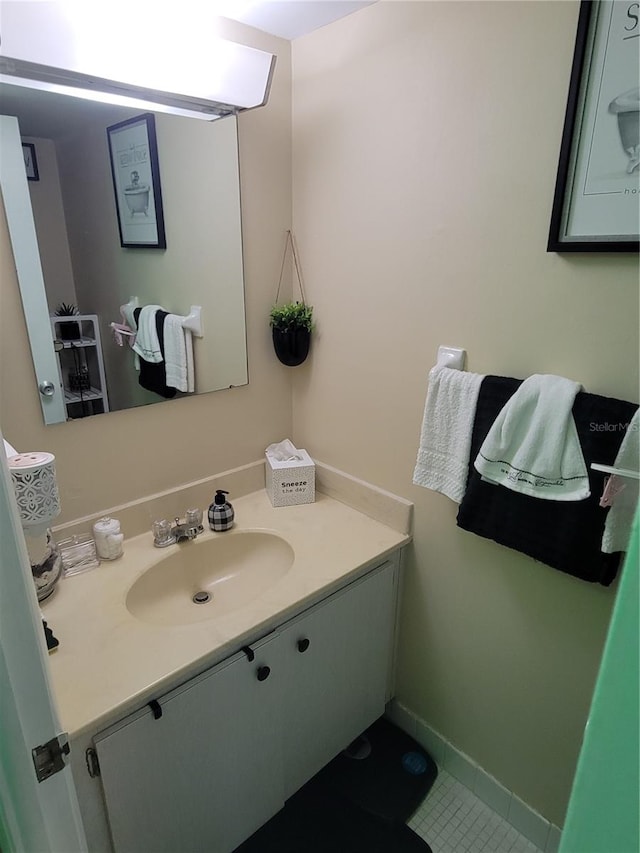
point(451, 819)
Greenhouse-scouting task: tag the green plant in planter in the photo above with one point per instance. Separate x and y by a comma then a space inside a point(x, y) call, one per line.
point(291, 326)
point(68, 331)
point(65, 309)
point(292, 315)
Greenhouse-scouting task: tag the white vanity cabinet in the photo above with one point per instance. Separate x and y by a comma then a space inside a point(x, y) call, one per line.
point(337, 658)
point(233, 743)
point(206, 773)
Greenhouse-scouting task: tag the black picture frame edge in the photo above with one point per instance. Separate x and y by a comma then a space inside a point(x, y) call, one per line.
point(34, 160)
point(150, 121)
point(554, 243)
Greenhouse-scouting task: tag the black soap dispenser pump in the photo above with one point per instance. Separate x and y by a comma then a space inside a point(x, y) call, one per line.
point(221, 513)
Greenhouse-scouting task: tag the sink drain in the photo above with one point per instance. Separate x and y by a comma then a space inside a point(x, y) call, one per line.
point(201, 597)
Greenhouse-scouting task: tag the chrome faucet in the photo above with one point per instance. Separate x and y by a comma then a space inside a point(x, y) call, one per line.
point(184, 530)
point(165, 534)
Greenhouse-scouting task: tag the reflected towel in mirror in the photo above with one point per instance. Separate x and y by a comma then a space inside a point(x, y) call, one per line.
point(147, 344)
point(178, 354)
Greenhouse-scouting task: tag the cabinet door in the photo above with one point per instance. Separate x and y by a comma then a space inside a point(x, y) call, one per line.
point(338, 658)
point(208, 772)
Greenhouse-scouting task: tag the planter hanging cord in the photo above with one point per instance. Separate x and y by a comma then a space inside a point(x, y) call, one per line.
point(290, 241)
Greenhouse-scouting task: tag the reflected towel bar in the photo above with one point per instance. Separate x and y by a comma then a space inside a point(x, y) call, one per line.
point(192, 321)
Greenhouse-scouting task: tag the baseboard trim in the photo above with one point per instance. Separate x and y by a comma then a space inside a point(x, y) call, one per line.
point(528, 822)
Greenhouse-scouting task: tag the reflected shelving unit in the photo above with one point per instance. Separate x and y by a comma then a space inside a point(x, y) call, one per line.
point(80, 365)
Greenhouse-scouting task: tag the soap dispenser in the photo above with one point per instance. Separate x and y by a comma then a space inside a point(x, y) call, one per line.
point(221, 512)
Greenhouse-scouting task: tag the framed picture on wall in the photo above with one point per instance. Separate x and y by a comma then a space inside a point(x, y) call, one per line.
point(596, 206)
point(30, 161)
point(133, 153)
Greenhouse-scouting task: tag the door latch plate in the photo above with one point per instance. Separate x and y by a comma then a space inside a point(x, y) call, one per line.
point(49, 758)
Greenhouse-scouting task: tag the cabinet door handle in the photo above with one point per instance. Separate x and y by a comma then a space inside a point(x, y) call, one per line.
point(263, 673)
point(303, 645)
point(156, 709)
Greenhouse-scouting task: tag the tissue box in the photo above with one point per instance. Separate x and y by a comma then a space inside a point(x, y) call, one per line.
point(292, 482)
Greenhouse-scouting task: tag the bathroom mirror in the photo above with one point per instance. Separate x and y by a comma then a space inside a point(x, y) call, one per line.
point(71, 191)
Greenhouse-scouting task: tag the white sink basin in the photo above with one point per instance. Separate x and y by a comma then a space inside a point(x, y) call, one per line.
point(204, 578)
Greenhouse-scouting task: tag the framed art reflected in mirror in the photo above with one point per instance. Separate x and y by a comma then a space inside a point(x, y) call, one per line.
point(30, 161)
point(133, 153)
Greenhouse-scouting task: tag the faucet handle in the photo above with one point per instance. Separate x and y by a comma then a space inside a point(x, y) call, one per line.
point(162, 535)
point(193, 520)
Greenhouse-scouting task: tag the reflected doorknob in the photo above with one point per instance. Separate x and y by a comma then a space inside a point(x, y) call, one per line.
point(46, 388)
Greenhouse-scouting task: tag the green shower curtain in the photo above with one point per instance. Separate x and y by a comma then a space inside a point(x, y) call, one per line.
point(604, 811)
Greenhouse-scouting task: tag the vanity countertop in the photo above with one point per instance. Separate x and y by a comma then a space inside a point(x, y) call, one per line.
point(109, 662)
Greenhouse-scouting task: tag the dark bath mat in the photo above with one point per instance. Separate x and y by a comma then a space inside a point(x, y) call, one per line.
point(316, 821)
point(391, 781)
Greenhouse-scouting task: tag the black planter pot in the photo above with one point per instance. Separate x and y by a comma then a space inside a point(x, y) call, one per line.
point(291, 345)
point(69, 331)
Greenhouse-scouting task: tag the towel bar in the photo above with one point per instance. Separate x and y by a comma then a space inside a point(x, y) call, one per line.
point(620, 472)
point(452, 357)
point(192, 321)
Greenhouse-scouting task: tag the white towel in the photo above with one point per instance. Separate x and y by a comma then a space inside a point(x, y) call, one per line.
point(191, 371)
point(533, 445)
point(178, 354)
point(445, 439)
point(147, 344)
point(617, 527)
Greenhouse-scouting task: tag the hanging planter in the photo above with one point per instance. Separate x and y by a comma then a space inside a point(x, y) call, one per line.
point(291, 326)
point(291, 323)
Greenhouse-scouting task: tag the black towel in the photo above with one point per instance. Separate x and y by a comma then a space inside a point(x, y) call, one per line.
point(566, 535)
point(153, 376)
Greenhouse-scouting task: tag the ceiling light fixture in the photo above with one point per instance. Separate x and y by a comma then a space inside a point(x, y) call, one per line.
point(171, 61)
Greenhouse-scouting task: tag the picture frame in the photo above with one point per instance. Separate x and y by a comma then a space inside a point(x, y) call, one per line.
point(30, 161)
point(596, 204)
point(133, 154)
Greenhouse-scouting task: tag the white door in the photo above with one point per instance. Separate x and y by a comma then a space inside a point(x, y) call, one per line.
point(34, 816)
point(26, 256)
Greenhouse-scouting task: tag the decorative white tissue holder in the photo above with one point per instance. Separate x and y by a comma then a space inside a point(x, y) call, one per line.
point(34, 482)
point(292, 481)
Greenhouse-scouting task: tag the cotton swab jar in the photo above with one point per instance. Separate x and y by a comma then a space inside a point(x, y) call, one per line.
point(108, 539)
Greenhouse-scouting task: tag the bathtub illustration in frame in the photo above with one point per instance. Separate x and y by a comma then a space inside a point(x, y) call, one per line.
point(133, 152)
point(596, 206)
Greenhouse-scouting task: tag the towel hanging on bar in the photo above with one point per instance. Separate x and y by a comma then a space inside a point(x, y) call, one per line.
point(443, 453)
point(566, 535)
point(617, 528)
point(533, 447)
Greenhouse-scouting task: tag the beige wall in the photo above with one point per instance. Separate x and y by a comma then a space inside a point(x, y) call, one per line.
point(107, 460)
point(426, 138)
